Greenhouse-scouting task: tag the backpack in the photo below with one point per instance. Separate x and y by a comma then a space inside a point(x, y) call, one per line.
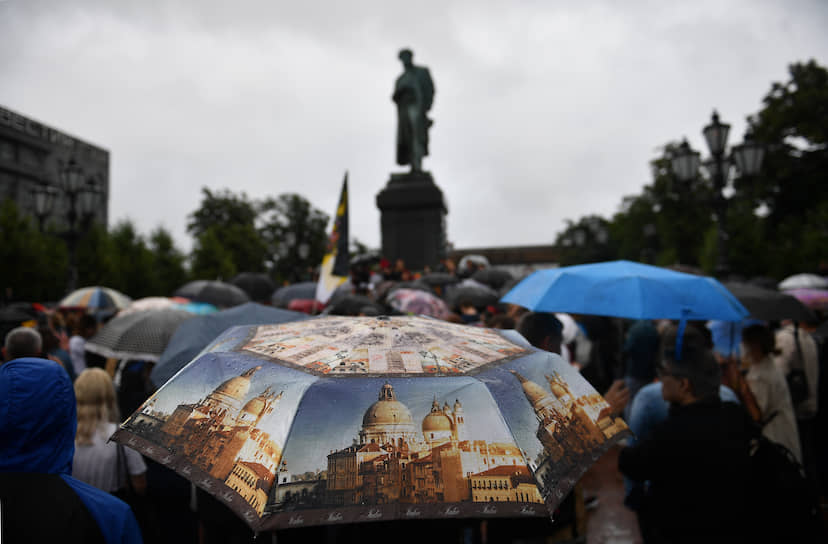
point(784, 504)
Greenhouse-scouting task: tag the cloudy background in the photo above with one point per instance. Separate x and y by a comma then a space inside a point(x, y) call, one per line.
point(545, 111)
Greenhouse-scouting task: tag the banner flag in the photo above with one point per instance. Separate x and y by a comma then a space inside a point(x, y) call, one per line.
point(335, 264)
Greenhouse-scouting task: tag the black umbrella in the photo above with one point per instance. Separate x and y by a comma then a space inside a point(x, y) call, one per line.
point(351, 304)
point(302, 290)
point(439, 279)
point(493, 277)
point(217, 293)
point(478, 295)
point(140, 335)
point(258, 287)
point(769, 305)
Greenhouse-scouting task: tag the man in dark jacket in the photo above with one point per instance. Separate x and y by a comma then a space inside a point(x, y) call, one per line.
point(39, 500)
point(697, 460)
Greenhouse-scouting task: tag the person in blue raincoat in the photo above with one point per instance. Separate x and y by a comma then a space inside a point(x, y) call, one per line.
point(39, 499)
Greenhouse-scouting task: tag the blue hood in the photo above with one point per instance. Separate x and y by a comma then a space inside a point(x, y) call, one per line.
point(38, 417)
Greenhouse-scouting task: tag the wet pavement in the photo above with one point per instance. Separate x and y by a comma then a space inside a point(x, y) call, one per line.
point(609, 521)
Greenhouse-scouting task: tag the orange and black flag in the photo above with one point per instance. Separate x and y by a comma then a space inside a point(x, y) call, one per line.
point(335, 264)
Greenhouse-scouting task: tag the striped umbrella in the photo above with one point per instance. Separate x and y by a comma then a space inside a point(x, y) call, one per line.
point(95, 299)
point(140, 335)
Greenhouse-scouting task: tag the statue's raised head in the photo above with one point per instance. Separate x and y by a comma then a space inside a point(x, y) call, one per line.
point(405, 55)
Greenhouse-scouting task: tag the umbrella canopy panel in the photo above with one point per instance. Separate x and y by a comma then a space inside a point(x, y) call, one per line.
point(283, 295)
point(416, 302)
point(259, 287)
point(257, 406)
point(626, 289)
point(816, 299)
point(217, 293)
point(95, 299)
point(804, 281)
point(196, 334)
point(139, 335)
point(769, 305)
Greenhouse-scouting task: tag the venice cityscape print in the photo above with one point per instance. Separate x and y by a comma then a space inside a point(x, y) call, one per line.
point(285, 447)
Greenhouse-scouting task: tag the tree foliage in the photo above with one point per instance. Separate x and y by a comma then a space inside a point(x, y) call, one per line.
point(777, 222)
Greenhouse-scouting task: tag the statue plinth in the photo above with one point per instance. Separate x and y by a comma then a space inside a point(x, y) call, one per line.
point(413, 220)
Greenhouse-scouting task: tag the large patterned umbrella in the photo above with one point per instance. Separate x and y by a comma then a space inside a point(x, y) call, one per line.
point(95, 299)
point(357, 419)
point(139, 335)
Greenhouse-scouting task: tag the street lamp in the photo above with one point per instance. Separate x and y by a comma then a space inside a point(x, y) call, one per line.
point(82, 193)
point(747, 157)
point(44, 202)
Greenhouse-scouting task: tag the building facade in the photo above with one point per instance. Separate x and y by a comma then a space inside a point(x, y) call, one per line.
point(32, 155)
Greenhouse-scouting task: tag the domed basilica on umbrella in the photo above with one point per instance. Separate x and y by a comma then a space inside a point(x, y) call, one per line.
point(220, 434)
point(396, 460)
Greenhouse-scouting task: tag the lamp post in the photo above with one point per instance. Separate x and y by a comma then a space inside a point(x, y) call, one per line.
point(82, 194)
point(747, 157)
point(44, 201)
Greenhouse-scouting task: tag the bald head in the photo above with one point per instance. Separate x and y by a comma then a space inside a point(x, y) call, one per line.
point(22, 342)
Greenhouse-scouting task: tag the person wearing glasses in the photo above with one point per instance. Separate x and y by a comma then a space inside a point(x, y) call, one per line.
point(695, 462)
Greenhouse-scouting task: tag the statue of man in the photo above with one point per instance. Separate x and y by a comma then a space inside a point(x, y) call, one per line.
point(413, 94)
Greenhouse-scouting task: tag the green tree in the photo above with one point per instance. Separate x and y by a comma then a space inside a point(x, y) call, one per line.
point(294, 232)
point(225, 224)
point(585, 241)
point(35, 265)
point(791, 189)
point(168, 262)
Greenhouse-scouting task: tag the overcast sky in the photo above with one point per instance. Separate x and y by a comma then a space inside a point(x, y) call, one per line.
point(544, 111)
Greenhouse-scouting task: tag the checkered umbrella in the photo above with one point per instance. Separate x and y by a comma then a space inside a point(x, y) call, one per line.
point(139, 335)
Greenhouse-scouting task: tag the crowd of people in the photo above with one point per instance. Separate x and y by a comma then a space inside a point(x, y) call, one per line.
point(695, 413)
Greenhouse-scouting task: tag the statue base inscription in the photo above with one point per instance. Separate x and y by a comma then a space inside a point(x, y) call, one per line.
point(413, 220)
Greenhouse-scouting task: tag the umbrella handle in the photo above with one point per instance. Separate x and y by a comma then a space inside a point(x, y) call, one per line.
point(680, 334)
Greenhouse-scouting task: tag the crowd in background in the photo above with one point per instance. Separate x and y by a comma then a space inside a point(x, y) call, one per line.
point(626, 360)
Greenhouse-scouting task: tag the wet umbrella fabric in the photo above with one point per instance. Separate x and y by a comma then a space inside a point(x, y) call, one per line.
point(439, 279)
point(148, 303)
point(139, 335)
point(283, 295)
point(350, 304)
point(626, 289)
point(259, 287)
point(413, 301)
point(477, 294)
point(95, 299)
point(217, 293)
point(816, 299)
point(803, 281)
point(394, 410)
point(495, 278)
point(769, 305)
point(196, 333)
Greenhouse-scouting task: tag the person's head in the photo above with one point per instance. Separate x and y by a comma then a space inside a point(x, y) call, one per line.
point(37, 417)
point(757, 343)
point(501, 321)
point(693, 375)
point(96, 403)
point(542, 330)
point(22, 342)
point(407, 57)
point(85, 326)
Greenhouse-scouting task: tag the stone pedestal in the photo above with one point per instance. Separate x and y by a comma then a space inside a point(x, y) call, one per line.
point(413, 219)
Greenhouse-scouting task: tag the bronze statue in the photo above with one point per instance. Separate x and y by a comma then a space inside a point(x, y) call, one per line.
point(413, 94)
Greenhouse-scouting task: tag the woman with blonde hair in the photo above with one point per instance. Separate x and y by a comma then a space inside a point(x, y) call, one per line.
point(105, 465)
point(768, 385)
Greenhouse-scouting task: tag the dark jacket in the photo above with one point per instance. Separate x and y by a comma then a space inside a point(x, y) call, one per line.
point(37, 443)
point(697, 464)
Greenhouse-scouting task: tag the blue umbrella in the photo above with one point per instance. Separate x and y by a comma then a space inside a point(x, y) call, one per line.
point(626, 289)
point(194, 334)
